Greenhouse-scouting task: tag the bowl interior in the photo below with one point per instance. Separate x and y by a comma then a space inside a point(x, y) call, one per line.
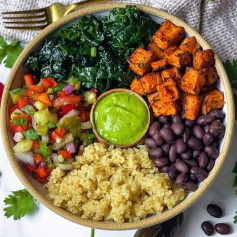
point(15, 80)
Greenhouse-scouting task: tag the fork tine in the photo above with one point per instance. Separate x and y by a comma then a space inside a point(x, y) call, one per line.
point(26, 22)
point(23, 17)
point(42, 10)
point(25, 28)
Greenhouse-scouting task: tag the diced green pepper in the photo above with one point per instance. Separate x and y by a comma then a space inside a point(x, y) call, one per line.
point(20, 121)
point(49, 163)
point(15, 91)
point(72, 125)
point(44, 149)
point(42, 116)
point(59, 87)
point(39, 105)
point(51, 125)
point(31, 134)
point(23, 146)
point(42, 130)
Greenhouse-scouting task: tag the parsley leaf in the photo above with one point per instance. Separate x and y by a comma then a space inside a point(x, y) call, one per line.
point(19, 204)
point(235, 218)
point(9, 52)
point(231, 70)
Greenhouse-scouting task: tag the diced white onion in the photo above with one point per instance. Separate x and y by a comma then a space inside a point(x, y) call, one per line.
point(54, 157)
point(86, 125)
point(65, 166)
point(33, 122)
point(45, 138)
point(18, 136)
point(25, 157)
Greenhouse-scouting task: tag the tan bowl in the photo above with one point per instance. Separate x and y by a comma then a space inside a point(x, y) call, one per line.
point(39, 191)
point(100, 138)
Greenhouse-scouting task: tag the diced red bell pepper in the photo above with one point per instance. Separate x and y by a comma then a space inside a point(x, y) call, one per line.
point(62, 93)
point(52, 81)
point(37, 158)
point(55, 136)
point(21, 102)
point(31, 167)
point(48, 171)
point(67, 108)
point(44, 98)
point(36, 89)
point(17, 128)
point(65, 154)
point(29, 80)
point(35, 144)
point(45, 83)
point(1, 91)
point(12, 109)
point(60, 132)
point(40, 172)
point(69, 99)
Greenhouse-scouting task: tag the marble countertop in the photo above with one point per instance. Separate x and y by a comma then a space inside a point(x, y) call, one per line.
point(46, 223)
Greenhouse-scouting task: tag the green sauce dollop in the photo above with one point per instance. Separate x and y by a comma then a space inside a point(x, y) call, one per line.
point(121, 118)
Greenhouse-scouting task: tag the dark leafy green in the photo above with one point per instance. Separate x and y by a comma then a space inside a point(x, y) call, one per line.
point(95, 50)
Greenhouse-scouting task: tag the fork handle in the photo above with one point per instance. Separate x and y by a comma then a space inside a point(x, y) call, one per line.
point(87, 3)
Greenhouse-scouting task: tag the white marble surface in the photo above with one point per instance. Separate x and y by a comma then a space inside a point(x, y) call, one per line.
point(45, 223)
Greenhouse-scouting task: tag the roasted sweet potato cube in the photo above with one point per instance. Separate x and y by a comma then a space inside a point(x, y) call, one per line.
point(168, 91)
point(136, 86)
point(157, 52)
point(153, 97)
point(192, 81)
point(179, 58)
point(190, 44)
point(172, 73)
point(168, 52)
point(192, 104)
point(212, 100)
point(140, 61)
point(211, 75)
point(159, 65)
point(203, 59)
point(150, 82)
point(168, 34)
point(165, 108)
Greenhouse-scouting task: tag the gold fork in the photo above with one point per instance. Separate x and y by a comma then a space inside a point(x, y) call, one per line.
point(40, 18)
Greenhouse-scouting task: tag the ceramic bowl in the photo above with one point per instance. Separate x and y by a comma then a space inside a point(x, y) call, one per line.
point(15, 80)
point(99, 137)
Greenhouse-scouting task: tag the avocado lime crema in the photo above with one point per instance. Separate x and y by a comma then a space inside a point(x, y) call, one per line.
point(121, 118)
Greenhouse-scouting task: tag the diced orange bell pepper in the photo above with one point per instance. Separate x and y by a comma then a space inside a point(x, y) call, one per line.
point(21, 102)
point(65, 154)
point(40, 172)
point(36, 89)
point(44, 98)
point(45, 83)
point(37, 158)
point(29, 80)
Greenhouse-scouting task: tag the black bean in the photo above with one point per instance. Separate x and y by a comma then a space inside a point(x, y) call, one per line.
point(156, 152)
point(167, 125)
point(203, 160)
point(180, 146)
point(215, 127)
point(190, 186)
point(217, 113)
point(207, 138)
point(207, 228)
point(164, 169)
point(163, 119)
point(214, 210)
point(176, 119)
point(222, 228)
point(187, 155)
point(191, 163)
point(204, 119)
point(158, 139)
point(194, 143)
point(196, 153)
point(181, 166)
point(155, 126)
point(198, 132)
point(181, 179)
point(210, 165)
point(167, 134)
point(150, 142)
point(211, 151)
point(172, 154)
point(206, 128)
point(189, 123)
point(166, 148)
point(222, 132)
point(161, 162)
point(173, 173)
point(186, 134)
point(177, 128)
point(199, 172)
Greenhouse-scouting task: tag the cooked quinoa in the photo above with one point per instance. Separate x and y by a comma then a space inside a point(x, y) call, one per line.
point(113, 184)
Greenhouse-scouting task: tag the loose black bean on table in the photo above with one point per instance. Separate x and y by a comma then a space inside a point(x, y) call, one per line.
point(186, 149)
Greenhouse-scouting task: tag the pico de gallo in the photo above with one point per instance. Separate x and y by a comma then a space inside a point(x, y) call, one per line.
point(50, 121)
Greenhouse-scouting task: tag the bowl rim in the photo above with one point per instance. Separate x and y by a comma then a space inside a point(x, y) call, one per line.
point(107, 93)
point(113, 225)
